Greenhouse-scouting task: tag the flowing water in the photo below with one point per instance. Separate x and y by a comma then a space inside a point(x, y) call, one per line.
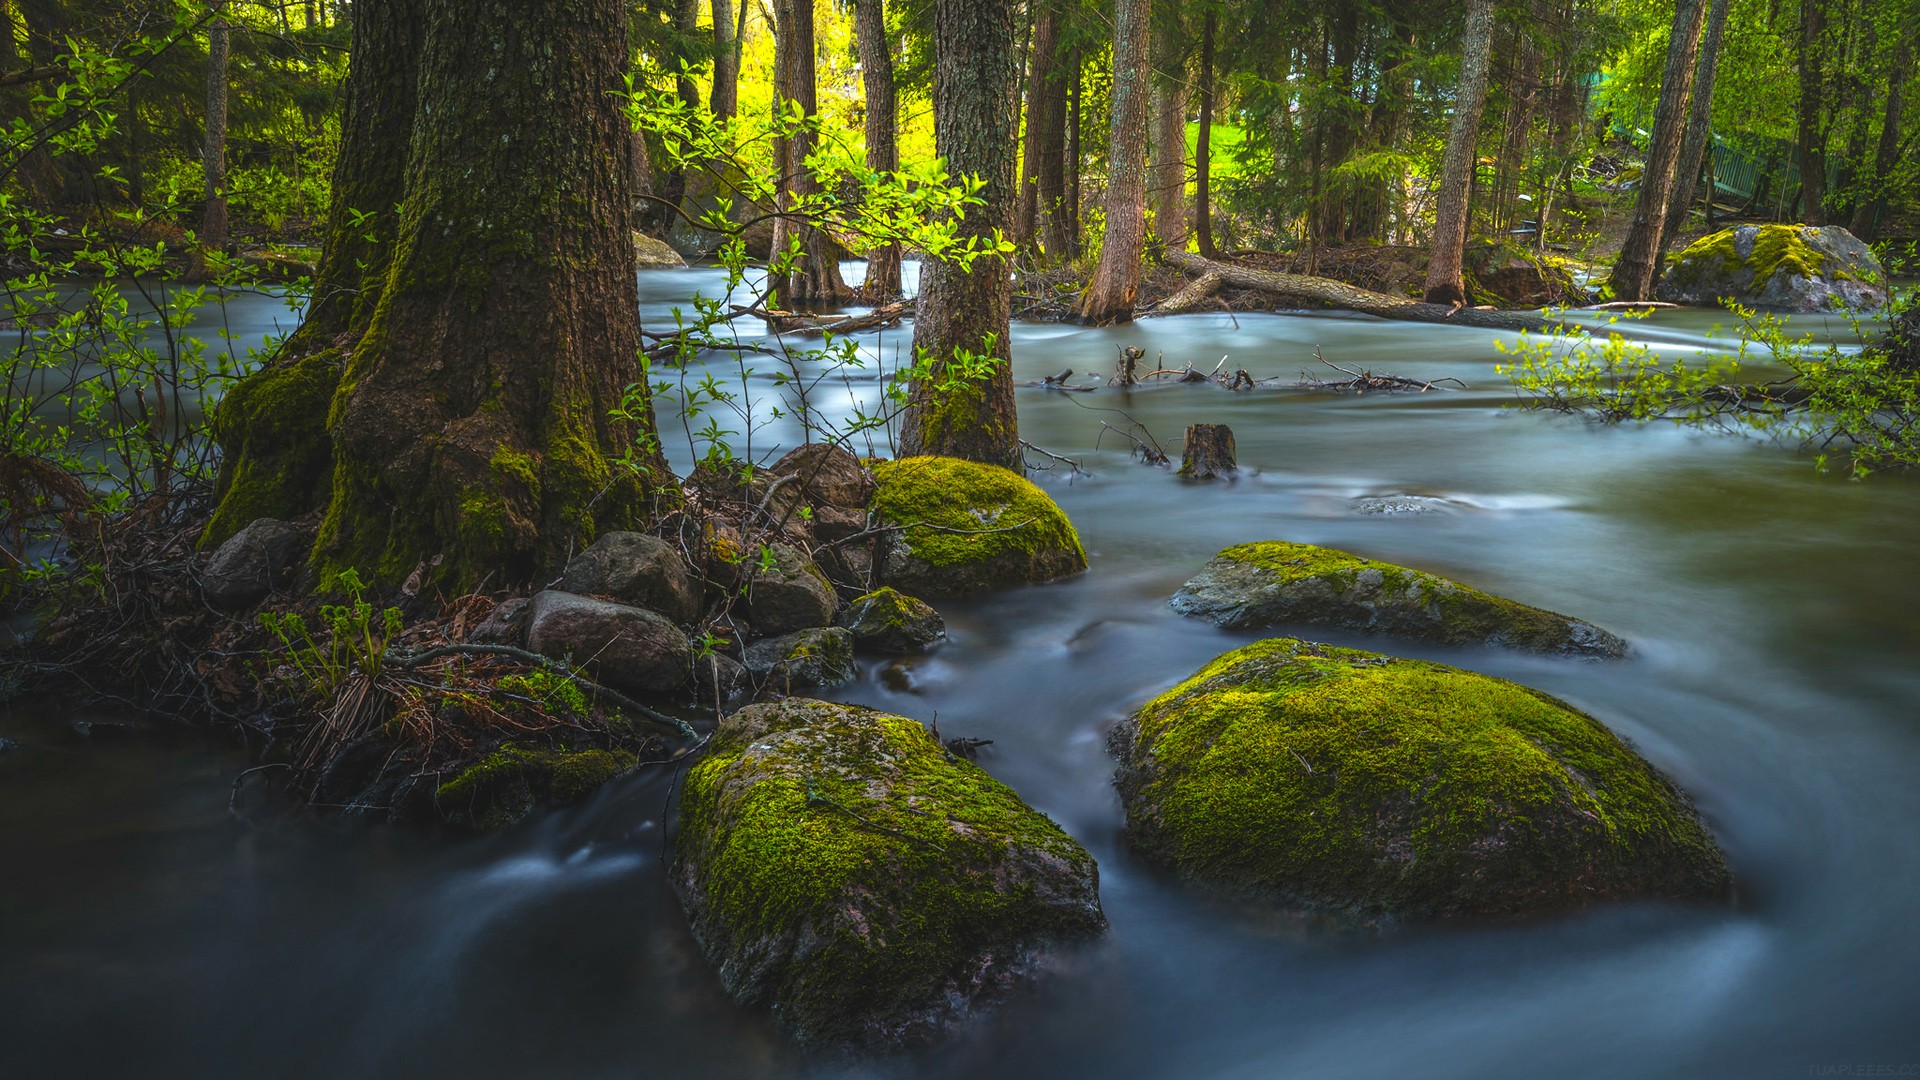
point(146, 930)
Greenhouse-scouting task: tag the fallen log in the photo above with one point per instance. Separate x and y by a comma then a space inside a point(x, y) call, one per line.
point(1353, 298)
point(1197, 292)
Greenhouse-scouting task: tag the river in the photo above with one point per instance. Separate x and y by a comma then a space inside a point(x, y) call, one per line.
point(146, 930)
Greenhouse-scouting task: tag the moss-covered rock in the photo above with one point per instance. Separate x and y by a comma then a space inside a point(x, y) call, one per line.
point(511, 783)
point(968, 528)
point(787, 591)
point(1781, 267)
point(1274, 582)
point(1350, 783)
point(888, 620)
point(804, 659)
point(839, 866)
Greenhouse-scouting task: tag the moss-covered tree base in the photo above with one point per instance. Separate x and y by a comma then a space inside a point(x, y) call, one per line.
point(840, 866)
point(1350, 783)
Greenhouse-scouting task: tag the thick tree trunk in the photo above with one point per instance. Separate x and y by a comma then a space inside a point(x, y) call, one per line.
point(815, 278)
point(724, 101)
point(976, 79)
point(1167, 175)
point(1810, 140)
point(882, 123)
point(1444, 283)
point(1041, 78)
point(1116, 282)
point(1633, 271)
point(1866, 219)
point(213, 220)
point(1352, 298)
point(1203, 146)
point(1693, 148)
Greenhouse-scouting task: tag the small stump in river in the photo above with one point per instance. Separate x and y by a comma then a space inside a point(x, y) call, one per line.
point(1208, 453)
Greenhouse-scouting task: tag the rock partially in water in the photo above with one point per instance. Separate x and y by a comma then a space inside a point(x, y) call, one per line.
point(890, 621)
point(509, 784)
point(840, 867)
point(1349, 783)
point(1778, 267)
point(638, 569)
point(1274, 582)
point(652, 254)
point(787, 591)
point(805, 659)
point(969, 527)
point(1391, 505)
point(630, 649)
point(253, 562)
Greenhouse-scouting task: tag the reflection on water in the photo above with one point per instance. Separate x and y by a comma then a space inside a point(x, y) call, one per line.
point(1771, 609)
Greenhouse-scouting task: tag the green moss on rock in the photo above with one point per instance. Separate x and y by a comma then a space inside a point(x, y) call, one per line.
point(969, 527)
point(890, 621)
point(1347, 782)
point(838, 865)
point(1275, 582)
point(1791, 267)
point(504, 787)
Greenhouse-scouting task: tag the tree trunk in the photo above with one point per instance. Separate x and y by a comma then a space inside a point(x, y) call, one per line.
point(1207, 453)
point(1047, 127)
point(1633, 271)
point(1116, 282)
point(472, 419)
point(1810, 143)
point(815, 279)
point(1041, 77)
point(1203, 148)
point(883, 119)
point(724, 101)
point(213, 221)
point(1866, 219)
point(1693, 148)
point(1353, 298)
point(1075, 70)
point(1167, 175)
point(976, 79)
point(1444, 283)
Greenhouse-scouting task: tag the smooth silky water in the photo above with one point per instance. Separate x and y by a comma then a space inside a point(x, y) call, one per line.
point(146, 930)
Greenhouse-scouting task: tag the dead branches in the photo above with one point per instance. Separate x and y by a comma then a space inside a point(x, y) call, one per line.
point(1361, 382)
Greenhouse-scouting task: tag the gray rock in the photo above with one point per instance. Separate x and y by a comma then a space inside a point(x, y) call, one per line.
point(1777, 267)
point(820, 656)
point(719, 676)
point(652, 254)
point(635, 568)
point(628, 648)
point(506, 624)
point(253, 562)
point(889, 621)
point(788, 593)
point(1273, 583)
point(904, 893)
point(828, 475)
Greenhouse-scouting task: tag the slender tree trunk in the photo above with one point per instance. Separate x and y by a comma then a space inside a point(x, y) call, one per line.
point(1076, 71)
point(815, 278)
point(1116, 282)
point(1167, 175)
point(725, 99)
point(882, 123)
point(976, 80)
point(1693, 148)
point(1047, 127)
point(1444, 283)
point(213, 221)
point(1633, 271)
point(1203, 149)
point(1810, 144)
point(1866, 219)
point(1042, 77)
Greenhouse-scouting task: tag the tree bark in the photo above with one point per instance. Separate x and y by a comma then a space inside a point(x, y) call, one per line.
point(1810, 143)
point(1116, 282)
point(1444, 283)
point(976, 80)
point(1207, 452)
point(1693, 148)
point(1866, 219)
point(1167, 175)
point(1353, 298)
point(1047, 127)
point(1041, 78)
point(1633, 271)
point(882, 123)
point(1075, 69)
point(724, 101)
point(815, 279)
point(1203, 146)
point(213, 220)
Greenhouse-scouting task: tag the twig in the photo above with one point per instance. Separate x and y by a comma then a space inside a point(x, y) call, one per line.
point(409, 659)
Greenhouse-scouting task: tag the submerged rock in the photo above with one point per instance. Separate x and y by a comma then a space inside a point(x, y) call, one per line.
point(1351, 783)
point(969, 527)
point(890, 621)
point(804, 659)
point(635, 568)
point(1274, 582)
point(628, 648)
point(1780, 267)
point(786, 591)
point(839, 866)
point(511, 783)
point(253, 562)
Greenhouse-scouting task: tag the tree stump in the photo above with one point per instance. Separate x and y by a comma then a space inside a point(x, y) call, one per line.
point(1208, 452)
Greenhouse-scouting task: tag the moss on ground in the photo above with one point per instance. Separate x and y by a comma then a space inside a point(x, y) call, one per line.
point(991, 525)
point(1352, 782)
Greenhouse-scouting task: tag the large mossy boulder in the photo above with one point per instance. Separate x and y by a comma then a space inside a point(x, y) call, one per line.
point(1275, 582)
point(1357, 785)
point(967, 527)
point(1777, 267)
point(841, 867)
